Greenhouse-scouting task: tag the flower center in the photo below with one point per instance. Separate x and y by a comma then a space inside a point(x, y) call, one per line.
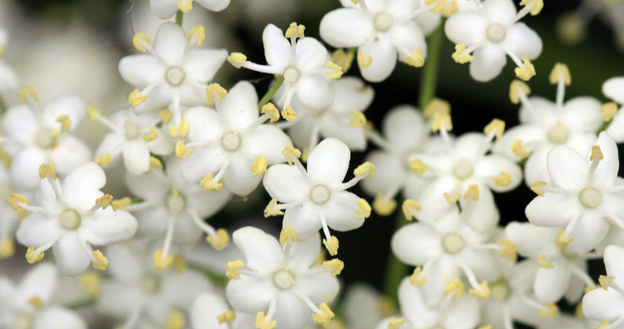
point(462, 169)
point(283, 279)
point(174, 202)
point(383, 21)
point(231, 141)
point(291, 74)
point(44, 138)
point(23, 321)
point(452, 243)
point(175, 75)
point(590, 197)
point(69, 219)
point(558, 133)
point(500, 290)
point(496, 32)
point(319, 194)
point(150, 283)
point(132, 131)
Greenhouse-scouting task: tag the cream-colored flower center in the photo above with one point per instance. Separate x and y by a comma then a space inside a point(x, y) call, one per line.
point(558, 133)
point(319, 194)
point(175, 75)
point(231, 141)
point(291, 74)
point(150, 283)
point(283, 279)
point(69, 219)
point(590, 197)
point(453, 243)
point(500, 290)
point(496, 33)
point(132, 132)
point(462, 169)
point(44, 138)
point(175, 202)
point(383, 21)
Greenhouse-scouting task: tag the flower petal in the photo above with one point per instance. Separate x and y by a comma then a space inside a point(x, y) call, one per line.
point(36, 230)
point(589, 231)
point(82, 186)
point(607, 171)
point(263, 252)
point(415, 244)
point(328, 162)
point(404, 128)
point(163, 8)
point(277, 48)
point(141, 70)
point(614, 89)
point(21, 123)
point(582, 114)
point(68, 154)
point(239, 178)
point(304, 253)
point(59, 318)
point(310, 55)
point(488, 63)
point(614, 262)
point(136, 157)
point(408, 37)
point(214, 5)
point(25, 167)
point(384, 56)
point(533, 241)
point(69, 255)
point(335, 32)
point(40, 281)
point(205, 310)
point(553, 209)
point(268, 141)
point(239, 108)
point(600, 304)
point(340, 212)
point(170, 43)
point(552, 283)
point(285, 183)
point(201, 65)
point(108, 226)
point(567, 168)
point(466, 28)
point(303, 219)
point(314, 91)
point(494, 165)
point(500, 11)
point(523, 41)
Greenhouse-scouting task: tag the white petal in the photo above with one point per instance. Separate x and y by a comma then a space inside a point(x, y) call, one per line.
point(152, 221)
point(304, 253)
point(384, 56)
point(354, 137)
point(111, 144)
point(408, 37)
point(268, 141)
point(250, 294)
point(73, 107)
point(69, 153)
point(483, 215)
point(148, 187)
point(553, 209)
point(607, 170)
point(614, 262)
point(462, 314)
point(614, 89)
point(414, 306)
point(170, 43)
point(328, 162)
point(202, 64)
point(202, 162)
point(320, 288)
point(303, 219)
point(136, 157)
point(536, 166)
point(108, 226)
point(285, 183)
point(351, 93)
point(122, 262)
point(466, 28)
point(582, 114)
point(340, 212)
point(183, 287)
point(404, 127)
point(416, 243)
point(567, 168)
point(501, 11)
point(532, 241)
point(600, 304)
point(207, 204)
point(163, 8)
point(59, 318)
point(240, 107)
point(21, 123)
point(82, 186)
point(205, 310)
point(314, 92)
point(589, 231)
point(25, 167)
point(291, 311)
point(494, 165)
point(526, 133)
point(40, 281)
point(488, 63)
point(69, 255)
point(239, 178)
point(277, 49)
point(141, 70)
point(470, 146)
point(310, 55)
point(358, 300)
point(262, 252)
point(335, 32)
point(552, 283)
point(214, 5)
point(36, 230)
point(523, 42)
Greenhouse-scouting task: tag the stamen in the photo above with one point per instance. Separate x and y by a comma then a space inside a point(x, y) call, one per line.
point(363, 209)
point(237, 59)
point(197, 35)
point(135, 98)
point(90, 283)
point(461, 56)
point(516, 89)
point(233, 269)
point(215, 92)
point(525, 71)
point(508, 250)
point(162, 261)
point(384, 206)
point(100, 262)
point(364, 60)
point(455, 288)
point(259, 167)
point(185, 5)
point(288, 113)
point(332, 245)
point(342, 58)
point(410, 207)
point(415, 58)
point(181, 151)
point(418, 278)
point(335, 266)
point(28, 94)
point(608, 111)
point(398, 322)
point(270, 110)
point(287, 235)
point(272, 209)
point(357, 119)
point(335, 71)
point(226, 317)
point(175, 320)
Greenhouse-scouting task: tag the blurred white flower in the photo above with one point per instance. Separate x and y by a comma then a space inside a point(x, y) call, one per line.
point(211, 311)
point(606, 304)
point(167, 8)
point(614, 89)
point(363, 306)
point(9, 219)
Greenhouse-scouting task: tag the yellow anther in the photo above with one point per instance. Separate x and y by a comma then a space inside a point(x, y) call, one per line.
point(563, 239)
point(226, 317)
point(233, 268)
point(342, 58)
point(417, 278)
point(237, 59)
point(90, 283)
point(452, 197)
point(364, 60)
point(503, 179)
point(603, 325)
point(461, 56)
point(335, 266)
point(472, 193)
point(160, 262)
point(209, 184)
point(291, 153)
point(214, 92)
point(47, 171)
point(183, 129)
point(287, 235)
point(417, 166)
point(526, 71)
point(560, 72)
point(596, 153)
point(35, 302)
point(384, 206)
point(516, 88)
point(259, 166)
point(324, 316)
point(173, 132)
point(304, 154)
point(219, 240)
point(28, 93)
point(455, 287)
point(288, 113)
point(483, 292)
point(135, 98)
point(441, 121)
point(7, 248)
point(607, 111)
point(179, 264)
point(295, 30)
point(335, 71)
point(166, 115)
point(578, 311)
point(93, 112)
point(605, 281)
point(536, 5)
point(175, 320)
point(332, 245)
point(65, 122)
point(539, 188)
point(271, 111)
point(435, 5)
point(151, 135)
point(414, 59)
point(357, 119)
point(1, 50)
point(32, 257)
point(396, 323)
point(197, 34)
point(508, 250)
point(545, 263)
point(140, 41)
point(272, 209)
point(103, 160)
point(496, 127)
point(364, 209)
point(155, 162)
point(104, 201)
point(385, 307)
point(262, 323)
point(518, 149)
point(366, 170)
point(549, 311)
point(181, 151)
point(450, 8)
point(409, 207)
point(100, 262)
point(5, 158)
point(489, 326)
point(16, 201)
point(185, 6)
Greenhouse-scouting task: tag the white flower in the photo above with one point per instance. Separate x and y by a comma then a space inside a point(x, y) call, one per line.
point(36, 136)
point(29, 304)
point(545, 124)
point(167, 8)
point(561, 272)
point(71, 217)
point(317, 198)
point(585, 196)
point(302, 63)
point(606, 304)
point(138, 292)
point(9, 219)
point(382, 31)
point(133, 137)
point(486, 36)
point(281, 283)
point(614, 89)
point(363, 306)
point(572, 27)
point(172, 71)
point(175, 210)
point(343, 119)
point(211, 311)
point(8, 78)
point(231, 143)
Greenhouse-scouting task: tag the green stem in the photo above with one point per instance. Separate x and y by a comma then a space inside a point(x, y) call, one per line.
point(80, 303)
point(271, 92)
point(218, 279)
point(429, 79)
point(395, 269)
point(179, 17)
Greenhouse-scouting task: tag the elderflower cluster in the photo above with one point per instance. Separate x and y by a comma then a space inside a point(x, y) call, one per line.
point(130, 232)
